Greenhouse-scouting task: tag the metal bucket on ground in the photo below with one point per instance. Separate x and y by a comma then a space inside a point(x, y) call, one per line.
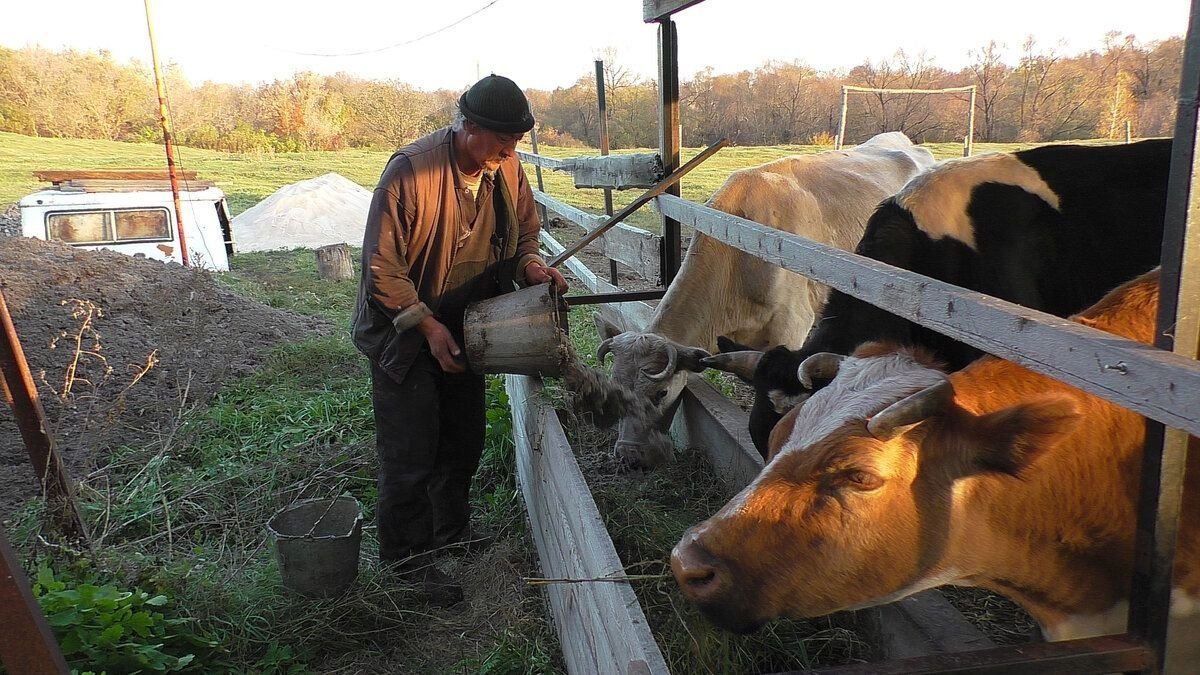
point(523, 333)
point(317, 543)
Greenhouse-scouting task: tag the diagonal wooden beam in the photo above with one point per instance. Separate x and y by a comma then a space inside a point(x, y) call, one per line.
point(21, 393)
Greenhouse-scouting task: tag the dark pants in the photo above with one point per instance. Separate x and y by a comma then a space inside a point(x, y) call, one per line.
point(429, 433)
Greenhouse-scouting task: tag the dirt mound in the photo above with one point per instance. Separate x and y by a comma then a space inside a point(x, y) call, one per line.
point(120, 346)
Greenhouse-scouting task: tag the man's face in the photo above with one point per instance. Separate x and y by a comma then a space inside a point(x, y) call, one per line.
point(490, 148)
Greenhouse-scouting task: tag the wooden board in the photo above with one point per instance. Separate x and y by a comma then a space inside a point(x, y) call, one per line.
point(601, 626)
point(628, 315)
point(1156, 383)
point(59, 175)
point(653, 10)
point(631, 246)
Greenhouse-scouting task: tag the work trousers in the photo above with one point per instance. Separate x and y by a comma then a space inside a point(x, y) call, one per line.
point(429, 433)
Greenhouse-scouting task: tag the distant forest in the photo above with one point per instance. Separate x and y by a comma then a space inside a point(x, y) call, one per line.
point(1045, 96)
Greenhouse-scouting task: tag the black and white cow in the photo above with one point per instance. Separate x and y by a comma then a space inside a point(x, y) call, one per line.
point(1052, 228)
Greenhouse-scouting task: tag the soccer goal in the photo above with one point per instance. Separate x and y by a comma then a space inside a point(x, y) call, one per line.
point(848, 89)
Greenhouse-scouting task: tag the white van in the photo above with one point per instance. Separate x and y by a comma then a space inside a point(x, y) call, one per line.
point(131, 216)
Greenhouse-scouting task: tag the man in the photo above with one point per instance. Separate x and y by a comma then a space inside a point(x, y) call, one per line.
point(452, 220)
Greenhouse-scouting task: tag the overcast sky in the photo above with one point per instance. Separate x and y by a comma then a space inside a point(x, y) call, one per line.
point(546, 44)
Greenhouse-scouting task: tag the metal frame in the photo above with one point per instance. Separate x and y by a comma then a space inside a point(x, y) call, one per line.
point(1142, 649)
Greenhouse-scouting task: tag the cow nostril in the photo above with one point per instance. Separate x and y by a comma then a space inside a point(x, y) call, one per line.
point(699, 579)
point(695, 573)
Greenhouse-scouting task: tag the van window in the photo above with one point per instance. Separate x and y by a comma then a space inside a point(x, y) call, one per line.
point(103, 227)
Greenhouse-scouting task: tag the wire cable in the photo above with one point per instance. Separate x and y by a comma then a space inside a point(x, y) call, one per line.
point(394, 46)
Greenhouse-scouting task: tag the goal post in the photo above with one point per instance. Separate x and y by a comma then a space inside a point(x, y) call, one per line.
point(968, 139)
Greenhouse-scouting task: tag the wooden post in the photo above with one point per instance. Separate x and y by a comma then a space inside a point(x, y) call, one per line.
point(16, 383)
point(333, 262)
point(670, 140)
point(537, 169)
point(968, 141)
point(608, 203)
point(840, 139)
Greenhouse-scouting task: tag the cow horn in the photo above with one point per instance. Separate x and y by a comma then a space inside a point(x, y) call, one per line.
point(603, 350)
point(917, 407)
point(741, 364)
point(672, 360)
point(822, 365)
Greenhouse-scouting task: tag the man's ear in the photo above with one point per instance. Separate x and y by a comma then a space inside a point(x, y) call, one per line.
point(1010, 440)
point(604, 327)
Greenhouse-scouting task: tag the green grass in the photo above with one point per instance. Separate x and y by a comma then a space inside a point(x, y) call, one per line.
point(248, 178)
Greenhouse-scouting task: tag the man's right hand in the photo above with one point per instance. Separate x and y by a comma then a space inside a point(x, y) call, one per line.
point(442, 345)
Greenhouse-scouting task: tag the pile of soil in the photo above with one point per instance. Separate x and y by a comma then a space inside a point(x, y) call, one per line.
point(119, 346)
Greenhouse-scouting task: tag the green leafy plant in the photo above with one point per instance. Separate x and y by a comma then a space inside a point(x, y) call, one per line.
point(103, 628)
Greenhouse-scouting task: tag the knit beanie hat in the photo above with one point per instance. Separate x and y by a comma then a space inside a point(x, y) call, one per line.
point(497, 103)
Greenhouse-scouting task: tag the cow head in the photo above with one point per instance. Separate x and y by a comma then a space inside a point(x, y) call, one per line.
point(861, 499)
point(655, 370)
point(778, 383)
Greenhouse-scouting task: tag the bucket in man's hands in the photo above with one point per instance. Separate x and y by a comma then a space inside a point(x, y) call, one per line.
point(317, 543)
point(523, 333)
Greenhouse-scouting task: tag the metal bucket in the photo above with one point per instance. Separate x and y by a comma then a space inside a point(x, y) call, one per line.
point(523, 333)
point(317, 543)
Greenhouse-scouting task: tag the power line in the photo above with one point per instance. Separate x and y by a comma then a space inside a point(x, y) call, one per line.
point(398, 44)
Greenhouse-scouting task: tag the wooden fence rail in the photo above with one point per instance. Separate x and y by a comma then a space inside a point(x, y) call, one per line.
point(631, 246)
point(1156, 383)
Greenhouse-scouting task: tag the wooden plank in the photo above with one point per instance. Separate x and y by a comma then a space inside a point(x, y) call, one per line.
point(112, 185)
point(653, 10)
point(606, 171)
point(601, 625)
point(670, 142)
point(27, 644)
point(59, 175)
point(620, 172)
point(539, 160)
point(708, 420)
point(627, 315)
point(1153, 382)
point(631, 246)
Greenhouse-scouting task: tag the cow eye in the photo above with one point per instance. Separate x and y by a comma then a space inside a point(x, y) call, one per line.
point(861, 480)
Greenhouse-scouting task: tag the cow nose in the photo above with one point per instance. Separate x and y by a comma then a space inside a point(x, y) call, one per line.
point(696, 570)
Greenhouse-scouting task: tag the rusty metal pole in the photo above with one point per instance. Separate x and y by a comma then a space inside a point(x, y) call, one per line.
point(166, 127)
point(21, 393)
point(27, 645)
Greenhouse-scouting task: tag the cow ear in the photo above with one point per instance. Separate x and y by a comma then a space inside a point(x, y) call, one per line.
point(726, 345)
point(690, 359)
point(604, 327)
point(1009, 440)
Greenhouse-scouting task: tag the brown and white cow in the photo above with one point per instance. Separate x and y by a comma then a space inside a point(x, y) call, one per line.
point(897, 478)
point(826, 197)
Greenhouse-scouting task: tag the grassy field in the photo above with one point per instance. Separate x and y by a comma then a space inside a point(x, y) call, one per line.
point(248, 178)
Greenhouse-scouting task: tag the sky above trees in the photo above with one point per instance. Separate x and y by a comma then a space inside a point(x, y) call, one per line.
point(546, 44)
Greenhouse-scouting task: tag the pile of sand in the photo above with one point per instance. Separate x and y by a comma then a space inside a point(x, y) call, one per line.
point(329, 209)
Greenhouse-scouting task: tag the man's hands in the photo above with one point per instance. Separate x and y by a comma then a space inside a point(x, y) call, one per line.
point(442, 345)
point(537, 273)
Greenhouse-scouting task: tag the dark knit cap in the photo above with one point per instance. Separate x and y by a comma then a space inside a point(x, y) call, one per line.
point(497, 103)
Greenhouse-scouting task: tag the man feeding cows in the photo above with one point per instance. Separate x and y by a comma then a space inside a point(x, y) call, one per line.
point(452, 220)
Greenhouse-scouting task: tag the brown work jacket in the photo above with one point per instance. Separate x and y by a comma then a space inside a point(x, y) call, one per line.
point(429, 249)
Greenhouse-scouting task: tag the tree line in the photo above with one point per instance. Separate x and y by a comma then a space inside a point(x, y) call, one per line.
point(1045, 96)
